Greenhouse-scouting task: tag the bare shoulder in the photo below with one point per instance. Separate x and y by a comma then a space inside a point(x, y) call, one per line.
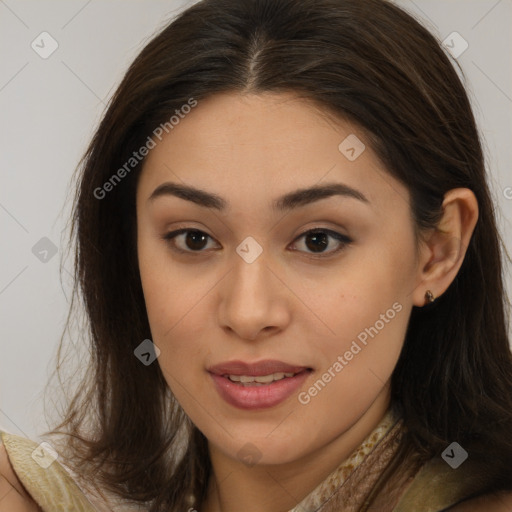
point(501, 502)
point(13, 496)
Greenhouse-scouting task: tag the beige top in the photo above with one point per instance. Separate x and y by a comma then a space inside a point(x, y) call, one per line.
point(350, 487)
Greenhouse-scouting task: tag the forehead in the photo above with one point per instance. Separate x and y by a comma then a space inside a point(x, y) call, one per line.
point(244, 146)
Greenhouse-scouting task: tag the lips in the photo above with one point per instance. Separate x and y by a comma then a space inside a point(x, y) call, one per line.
point(236, 382)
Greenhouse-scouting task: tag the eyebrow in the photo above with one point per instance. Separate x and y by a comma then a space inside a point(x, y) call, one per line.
point(289, 201)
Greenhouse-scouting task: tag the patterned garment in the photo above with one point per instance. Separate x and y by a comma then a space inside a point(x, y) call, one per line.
point(319, 498)
point(354, 486)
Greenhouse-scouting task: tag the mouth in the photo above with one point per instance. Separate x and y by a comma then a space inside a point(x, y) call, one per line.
point(257, 385)
point(259, 380)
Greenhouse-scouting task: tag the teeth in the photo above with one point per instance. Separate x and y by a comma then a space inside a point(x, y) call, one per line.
point(260, 379)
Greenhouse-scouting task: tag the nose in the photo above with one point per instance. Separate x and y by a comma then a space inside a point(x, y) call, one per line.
point(254, 301)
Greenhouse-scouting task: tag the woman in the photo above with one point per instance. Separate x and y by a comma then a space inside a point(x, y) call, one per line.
point(291, 268)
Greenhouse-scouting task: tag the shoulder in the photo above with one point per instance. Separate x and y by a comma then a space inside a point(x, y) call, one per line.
point(13, 496)
point(37, 479)
point(500, 502)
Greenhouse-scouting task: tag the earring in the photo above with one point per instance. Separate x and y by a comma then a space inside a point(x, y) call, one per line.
point(429, 297)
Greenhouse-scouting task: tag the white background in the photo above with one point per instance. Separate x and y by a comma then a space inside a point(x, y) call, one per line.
point(50, 107)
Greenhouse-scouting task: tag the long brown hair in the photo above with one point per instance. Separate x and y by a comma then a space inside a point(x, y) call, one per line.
point(363, 60)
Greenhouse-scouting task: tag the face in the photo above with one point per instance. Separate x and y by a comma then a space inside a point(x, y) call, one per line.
point(316, 286)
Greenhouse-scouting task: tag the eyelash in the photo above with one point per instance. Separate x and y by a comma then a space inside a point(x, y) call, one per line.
point(343, 239)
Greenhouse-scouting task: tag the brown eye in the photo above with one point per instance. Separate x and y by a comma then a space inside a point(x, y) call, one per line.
point(188, 240)
point(317, 241)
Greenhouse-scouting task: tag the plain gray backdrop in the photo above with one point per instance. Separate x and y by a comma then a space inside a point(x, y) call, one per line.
point(50, 105)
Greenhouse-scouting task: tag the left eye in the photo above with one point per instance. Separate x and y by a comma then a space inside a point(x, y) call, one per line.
point(316, 240)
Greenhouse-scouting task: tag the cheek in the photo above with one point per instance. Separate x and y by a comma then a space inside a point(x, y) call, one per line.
point(168, 292)
point(174, 312)
point(358, 360)
point(176, 304)
point(357, 296)
point(366, 308)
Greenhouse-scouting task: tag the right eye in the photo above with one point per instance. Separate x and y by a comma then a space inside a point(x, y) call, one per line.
point(190, 240)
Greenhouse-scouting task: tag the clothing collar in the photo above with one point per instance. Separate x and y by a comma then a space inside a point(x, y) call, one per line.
point(336, 480)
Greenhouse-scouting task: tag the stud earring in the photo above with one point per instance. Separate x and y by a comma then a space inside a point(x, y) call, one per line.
point(429, 297)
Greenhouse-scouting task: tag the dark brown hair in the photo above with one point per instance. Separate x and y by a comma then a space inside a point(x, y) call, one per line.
point(366, 61)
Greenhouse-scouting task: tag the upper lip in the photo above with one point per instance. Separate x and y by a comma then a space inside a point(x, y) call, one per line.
point(265, 367)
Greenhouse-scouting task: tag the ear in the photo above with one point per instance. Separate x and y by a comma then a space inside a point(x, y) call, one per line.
point(443, 250)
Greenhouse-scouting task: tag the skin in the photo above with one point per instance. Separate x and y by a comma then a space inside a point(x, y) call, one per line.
point(217, 307)
point(290, 304)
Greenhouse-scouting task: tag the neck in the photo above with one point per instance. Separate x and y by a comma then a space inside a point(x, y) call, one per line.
point(280, 487)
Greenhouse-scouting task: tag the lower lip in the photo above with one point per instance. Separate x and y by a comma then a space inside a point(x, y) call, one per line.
point(258, 397)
